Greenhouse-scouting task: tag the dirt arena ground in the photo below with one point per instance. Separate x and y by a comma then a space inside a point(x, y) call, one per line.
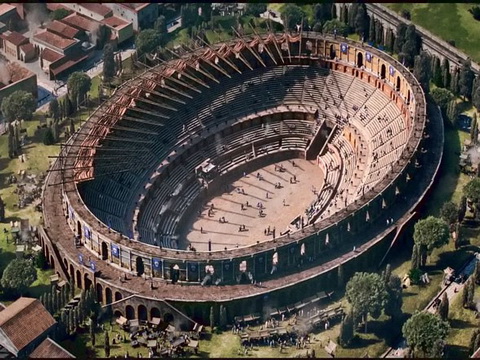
point(297, 197)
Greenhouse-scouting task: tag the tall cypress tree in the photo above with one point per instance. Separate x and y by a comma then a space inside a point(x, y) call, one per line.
point(372, 31)
point(212, 317)
point(443, 307)
point(473, 128)
point(454, 86)
point(92, 331)
point(378, 33)
point(346, 331)
point(465, 80)
point(437, 72)
point(106, 345)
point(415, 261)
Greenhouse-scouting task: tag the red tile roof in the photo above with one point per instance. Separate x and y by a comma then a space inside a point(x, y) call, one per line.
point(115, 22)
point(24, 321)
point(135, 6)
point(68, 64)
point(81, 22)
point(54, 39)
point(50, 55)
point(49, 349)
point(27, 48)
point(6, 8)
point(97, 8)
point(14, 37)
point(62, 29)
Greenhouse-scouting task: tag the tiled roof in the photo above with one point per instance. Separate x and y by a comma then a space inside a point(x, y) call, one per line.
point(49, 349)
point(24, 321)
point(68, 64)
point(97, 8)
point(80, 22)
point(5, 8)
point(54, 39)
point(50, 55)
point(62, 29)
point(115, 22)
point(27, 48)
point(14, 37)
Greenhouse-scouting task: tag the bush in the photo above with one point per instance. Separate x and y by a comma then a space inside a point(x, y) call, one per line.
point(406, 14)
point(475, 11)
point(414, 275)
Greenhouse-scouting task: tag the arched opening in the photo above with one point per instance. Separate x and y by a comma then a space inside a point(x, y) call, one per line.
point(139, 266)
point(359, 59)
point(104, 251)
point(79, 279)
point(108, 295)
point(142, 313)
point(52, 262)
point(99, 290)
point(65, 263)
point(332, 52)
point(79, 229)
point(154, 313)
point(168, 318)
point(408, 97)
point(129, 312)
point(87, 282)
point(383, 71)
point(399, 82)
point(117, 313)
point(72, 275)
point(118, 296)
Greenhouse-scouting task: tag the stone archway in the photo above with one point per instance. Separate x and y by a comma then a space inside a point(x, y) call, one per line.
point(118, 296)
point(359, 59)
point(129, 312)
point(399, 83)
point(333, 53)
point(142, 313)
point(154, 312)
point(99, 290)
point(383, 71)
point(86, 281)
point(104, 251)
point(108, 295)
point(79, 279)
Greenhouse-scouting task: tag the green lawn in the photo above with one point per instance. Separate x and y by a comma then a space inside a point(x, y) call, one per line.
point(450, 21)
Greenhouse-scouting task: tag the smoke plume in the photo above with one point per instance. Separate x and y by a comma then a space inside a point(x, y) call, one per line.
point(4, 73)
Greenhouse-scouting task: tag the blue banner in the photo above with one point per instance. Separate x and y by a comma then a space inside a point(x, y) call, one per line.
point(392, 70)
point(368, 56)
point(80, 259)
point(93, 266)
point(344, 48)
point(115, 250)
point(87, 232)
point(71, 214)
point(156, 263)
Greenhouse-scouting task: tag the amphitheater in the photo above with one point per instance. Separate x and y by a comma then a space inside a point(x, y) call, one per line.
point(163, 198)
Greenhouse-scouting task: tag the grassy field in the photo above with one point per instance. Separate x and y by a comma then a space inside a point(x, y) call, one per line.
point(450, 21)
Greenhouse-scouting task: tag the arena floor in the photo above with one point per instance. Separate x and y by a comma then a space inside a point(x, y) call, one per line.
point(297, 197)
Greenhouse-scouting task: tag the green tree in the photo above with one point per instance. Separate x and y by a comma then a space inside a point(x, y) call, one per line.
point(317, 27)
point(109, 68)
point(378, 33)
point(212, 317)
point(340, 276)
point(465, 295)
point(322, 12)
point(20, 105)
point(471, 292)
point(343, 14)
point(40, 260)
point(474, 129)
point(446, 75)
point(422, 331)
point(59, 14)
point(400, 38)
point(331, 25)
point(292, 15)
point(387, 273)
point(54, 109)
point(452, 113)
point(255, 9)
point(352, 15)
point(454, 84)
point(92, 331)
point(18, 275)
point(437, 72)
point(472, 191)
point(78, 85)
point(223, 316)
point(449, 212)
point(371, 30)
point(476, 96)
point(422, 70)
point(161, 27)
point(346, 331)
point(147, 41)
point(367, 294)
point(465, 80)
point(443, 307)
point(442, 97)
point(476, 273)
point(362, 21)
point(430, 233)
point(48, 138)
point(106, 345)
point(389, 40)
point(416, 257)
point(393, 306)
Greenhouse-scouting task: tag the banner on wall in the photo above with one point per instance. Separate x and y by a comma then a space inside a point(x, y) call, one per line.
point(368, 56)
point(80, 259)
point(93, 266)
point(156, 264)
point(115, 250)
point(344, 48)
point(87, 232)
point(71, 214)
point(392, 70)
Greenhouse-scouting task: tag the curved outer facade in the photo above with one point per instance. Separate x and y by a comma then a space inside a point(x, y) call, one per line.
point(307, 259)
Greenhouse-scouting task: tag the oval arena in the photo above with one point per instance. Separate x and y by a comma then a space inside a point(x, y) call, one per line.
point(242, 174)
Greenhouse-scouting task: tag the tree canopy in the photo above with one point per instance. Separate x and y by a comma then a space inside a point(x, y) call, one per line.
point(465, 80)
point(472, 190)
point(18, 275)
point(255, 9)
point(367, 294)
point(292, 15)
point(20, 105)
point(442, 97)
point(449, 212)
point(59, 14)
point(331, 25)
point(423, 330)
point(422, 70)
point(78, 84)
point(147, 41)
point(431, 233)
